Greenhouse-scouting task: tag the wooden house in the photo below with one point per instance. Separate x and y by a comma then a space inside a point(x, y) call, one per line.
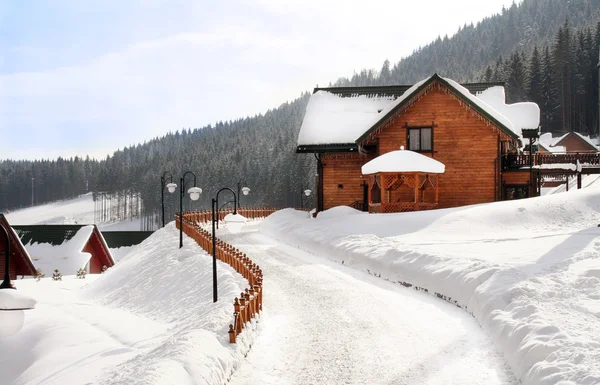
point(20, 262)
point(469, 128)
point(571, 142)
point(67, 248)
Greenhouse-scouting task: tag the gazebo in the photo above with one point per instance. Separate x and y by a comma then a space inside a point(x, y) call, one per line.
point(401, 181)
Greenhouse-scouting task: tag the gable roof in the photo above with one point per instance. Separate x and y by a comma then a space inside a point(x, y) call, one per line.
point(61, 246)
point(348, 141)
point(52, 234)
point(116, 239)
point(582, 138)
point(23, 260)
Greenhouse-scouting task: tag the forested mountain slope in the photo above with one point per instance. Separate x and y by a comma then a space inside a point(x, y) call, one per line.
point(545, 50)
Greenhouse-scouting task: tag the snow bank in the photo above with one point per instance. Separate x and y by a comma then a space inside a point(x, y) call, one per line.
point(148, 320)
point(527, 270)
point(336, 212)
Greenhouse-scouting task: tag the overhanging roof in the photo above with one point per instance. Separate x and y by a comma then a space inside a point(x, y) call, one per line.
point(399, 91)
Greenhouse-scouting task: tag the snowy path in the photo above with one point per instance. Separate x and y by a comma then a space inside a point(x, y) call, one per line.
point(329, 324)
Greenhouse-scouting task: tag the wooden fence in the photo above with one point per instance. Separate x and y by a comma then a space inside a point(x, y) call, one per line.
point(249, 304)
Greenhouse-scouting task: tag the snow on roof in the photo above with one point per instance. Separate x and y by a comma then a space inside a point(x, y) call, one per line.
point(67, 257)
point(403, 161)
point(556, 140)
point(330, 118)
point(521, 115)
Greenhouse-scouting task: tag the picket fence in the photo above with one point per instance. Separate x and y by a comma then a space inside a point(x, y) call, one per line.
point(249, 304)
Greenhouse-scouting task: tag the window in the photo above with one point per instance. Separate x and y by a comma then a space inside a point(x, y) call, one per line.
point(420, 139)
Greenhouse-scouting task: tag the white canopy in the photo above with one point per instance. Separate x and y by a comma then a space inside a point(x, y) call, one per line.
point(403, 161)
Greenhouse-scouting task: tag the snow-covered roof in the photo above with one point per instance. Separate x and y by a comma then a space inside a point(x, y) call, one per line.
point(520, 115)
point(333, 119)
point(49, 254)
point(403, 161)
point(587, 139)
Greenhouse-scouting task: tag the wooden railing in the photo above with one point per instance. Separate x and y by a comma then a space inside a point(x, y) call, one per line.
point(400, 207)
point(249, 304)
point(205, 216)
point(518, 161)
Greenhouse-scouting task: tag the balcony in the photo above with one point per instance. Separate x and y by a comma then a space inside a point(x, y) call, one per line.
point(513, 162)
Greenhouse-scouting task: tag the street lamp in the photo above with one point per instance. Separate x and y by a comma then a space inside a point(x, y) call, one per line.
point(235, 218)
point(305, 192)
point(170, 186)
point(243, 190)
point(194, 195)
point(12, 303)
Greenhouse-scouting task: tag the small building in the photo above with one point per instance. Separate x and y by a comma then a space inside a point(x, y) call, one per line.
point(121, 242)
point(571, 142)
point(20, 262)
point(469, 128)
point(402, 181)
point(67, 248)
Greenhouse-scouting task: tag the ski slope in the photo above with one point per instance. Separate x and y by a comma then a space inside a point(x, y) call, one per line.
point(79, 210)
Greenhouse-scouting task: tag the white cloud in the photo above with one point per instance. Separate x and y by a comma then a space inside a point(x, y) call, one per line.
point(265, 54)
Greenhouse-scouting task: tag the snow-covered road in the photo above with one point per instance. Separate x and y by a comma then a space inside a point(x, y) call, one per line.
point(326, 323)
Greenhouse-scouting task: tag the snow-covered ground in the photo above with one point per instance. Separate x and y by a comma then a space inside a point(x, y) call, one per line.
point(148, 320)
point(528, 270)
point(79, 210)
point(327, 323)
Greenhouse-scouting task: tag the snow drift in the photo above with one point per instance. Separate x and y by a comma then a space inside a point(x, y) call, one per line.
point(527, 270)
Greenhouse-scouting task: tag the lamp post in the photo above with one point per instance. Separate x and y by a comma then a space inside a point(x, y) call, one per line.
point(194, 195)
point(244, 190)
point(305, 192)
point(170, 186)
point(215, 207)
point(6, 282)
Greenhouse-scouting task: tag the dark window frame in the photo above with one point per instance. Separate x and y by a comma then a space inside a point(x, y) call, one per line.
point(409, 128)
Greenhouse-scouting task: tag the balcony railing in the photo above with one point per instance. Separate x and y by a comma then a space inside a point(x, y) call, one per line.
point(520, 161)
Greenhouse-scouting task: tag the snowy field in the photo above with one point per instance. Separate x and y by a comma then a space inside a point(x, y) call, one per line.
point(73, 211)
point(527, 270)
point(149, 319)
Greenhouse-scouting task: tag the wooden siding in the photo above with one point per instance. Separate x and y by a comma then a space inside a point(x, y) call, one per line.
point(343, 169)
point(573, 143)
point(466, 144)
point(516, 178)
point(99, 253)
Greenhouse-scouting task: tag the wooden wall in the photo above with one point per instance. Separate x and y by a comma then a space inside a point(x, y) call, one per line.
point(462, 141)
point(99, 254)
point(343, 169)
point(573, 143)
point(516, 178)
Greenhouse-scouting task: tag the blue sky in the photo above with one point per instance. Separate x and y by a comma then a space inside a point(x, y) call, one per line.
point(88, 77)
